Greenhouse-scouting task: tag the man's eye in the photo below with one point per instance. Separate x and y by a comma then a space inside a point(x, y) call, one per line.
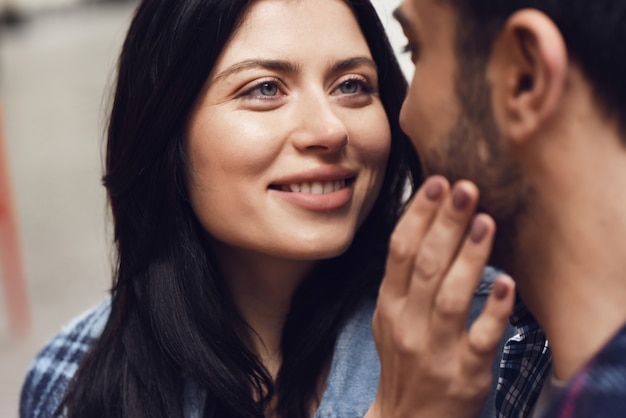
point(412, 49)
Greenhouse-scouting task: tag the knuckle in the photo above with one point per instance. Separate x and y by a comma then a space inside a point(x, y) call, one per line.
point(426, 266)
point(404, 342)
point(399, 251)
point(482, 343)
point(485, 335)
point(450, 305)
point(382, 316)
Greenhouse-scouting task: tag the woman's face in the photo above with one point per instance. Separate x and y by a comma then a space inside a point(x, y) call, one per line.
point(288, 142)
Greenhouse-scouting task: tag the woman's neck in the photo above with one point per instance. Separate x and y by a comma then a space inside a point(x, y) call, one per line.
point(262, 288)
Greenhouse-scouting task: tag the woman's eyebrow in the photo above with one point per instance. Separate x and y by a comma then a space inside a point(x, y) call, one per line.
point(351, 63)
point(288, 67)
point(275, 65)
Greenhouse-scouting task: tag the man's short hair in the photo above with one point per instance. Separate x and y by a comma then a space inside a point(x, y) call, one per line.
point(594, 32)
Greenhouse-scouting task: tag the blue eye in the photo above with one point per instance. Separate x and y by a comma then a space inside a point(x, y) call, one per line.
point(263, 90)
point(268, 89)
point(350, 87)
point(354, 86)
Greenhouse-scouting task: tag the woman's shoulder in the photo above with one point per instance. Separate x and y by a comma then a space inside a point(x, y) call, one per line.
point(55, 365)
point(353, 379)
point(355, 369)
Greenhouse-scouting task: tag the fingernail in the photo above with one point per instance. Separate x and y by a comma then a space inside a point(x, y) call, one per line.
point(500, 290)
point(460, 198)
point(479, 230)
point(434, 190)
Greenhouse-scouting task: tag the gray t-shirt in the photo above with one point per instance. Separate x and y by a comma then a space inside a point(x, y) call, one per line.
point(551, 390)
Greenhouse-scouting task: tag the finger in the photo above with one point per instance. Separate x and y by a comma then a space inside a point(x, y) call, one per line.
point(486, 333)
point(408, 234)
point(457, 289)
point(439, 247)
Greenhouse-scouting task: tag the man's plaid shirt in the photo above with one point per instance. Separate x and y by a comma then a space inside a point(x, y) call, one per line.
point(598, 390)
point(524, 367)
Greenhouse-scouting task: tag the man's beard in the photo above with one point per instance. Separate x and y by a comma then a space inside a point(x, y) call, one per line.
point(474, 150)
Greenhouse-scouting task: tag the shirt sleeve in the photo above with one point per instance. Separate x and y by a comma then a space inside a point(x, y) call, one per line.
point(53, 368)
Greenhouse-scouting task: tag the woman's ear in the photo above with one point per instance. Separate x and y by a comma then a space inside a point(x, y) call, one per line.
point(527, 70)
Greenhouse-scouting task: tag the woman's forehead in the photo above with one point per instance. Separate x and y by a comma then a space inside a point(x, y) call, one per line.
point(281, 29)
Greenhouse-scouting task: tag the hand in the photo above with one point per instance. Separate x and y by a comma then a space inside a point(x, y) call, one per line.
point(430, 365)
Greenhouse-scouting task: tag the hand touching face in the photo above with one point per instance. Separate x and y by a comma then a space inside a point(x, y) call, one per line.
point(430, 365)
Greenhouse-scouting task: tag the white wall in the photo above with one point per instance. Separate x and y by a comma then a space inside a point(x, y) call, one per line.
point(385, 9)
point(27, 6)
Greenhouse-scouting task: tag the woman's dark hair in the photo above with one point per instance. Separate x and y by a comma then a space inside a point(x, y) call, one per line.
point(173, 320)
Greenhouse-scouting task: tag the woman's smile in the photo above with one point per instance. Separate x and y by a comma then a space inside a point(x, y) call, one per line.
point(288, 144)
point(316, 187)
point(317, 196)
point(324, 189)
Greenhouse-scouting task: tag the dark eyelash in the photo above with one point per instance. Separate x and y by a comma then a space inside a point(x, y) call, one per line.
point(365, 85)
point(249, 91)
point(413, 49)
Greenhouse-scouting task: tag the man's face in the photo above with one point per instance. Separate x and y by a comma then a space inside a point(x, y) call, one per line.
point(449, 117)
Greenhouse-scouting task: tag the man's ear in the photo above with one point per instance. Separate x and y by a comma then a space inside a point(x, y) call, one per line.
point(527, 71)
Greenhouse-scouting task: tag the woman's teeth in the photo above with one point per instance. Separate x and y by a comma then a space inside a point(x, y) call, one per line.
point(316, 187)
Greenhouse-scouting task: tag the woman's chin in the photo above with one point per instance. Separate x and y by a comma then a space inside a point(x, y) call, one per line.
point(315, 251)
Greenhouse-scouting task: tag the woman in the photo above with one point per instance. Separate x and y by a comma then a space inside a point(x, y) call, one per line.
point(255, 170)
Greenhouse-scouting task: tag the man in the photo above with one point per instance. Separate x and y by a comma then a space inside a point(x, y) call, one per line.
point(527, 99)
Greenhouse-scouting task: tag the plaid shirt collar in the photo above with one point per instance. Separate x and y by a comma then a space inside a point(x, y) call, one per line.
point(525, 364)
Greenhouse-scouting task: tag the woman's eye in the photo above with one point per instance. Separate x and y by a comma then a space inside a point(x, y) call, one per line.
point(265, 89)
point(349, 87)
point(268, 89)
point(354, 86)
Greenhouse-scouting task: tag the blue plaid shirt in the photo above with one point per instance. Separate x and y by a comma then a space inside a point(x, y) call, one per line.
point(57, 363)
point(598, 390)
point(525, 364)
point(350, 389)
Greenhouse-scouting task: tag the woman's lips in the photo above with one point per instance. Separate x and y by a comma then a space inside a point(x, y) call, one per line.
point(317, 196)
point(314, 187)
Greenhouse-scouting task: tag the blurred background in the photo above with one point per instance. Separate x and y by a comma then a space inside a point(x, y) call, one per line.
point(57, 61)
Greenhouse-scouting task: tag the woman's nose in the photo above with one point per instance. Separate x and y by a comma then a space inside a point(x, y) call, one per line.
point(319, 127)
